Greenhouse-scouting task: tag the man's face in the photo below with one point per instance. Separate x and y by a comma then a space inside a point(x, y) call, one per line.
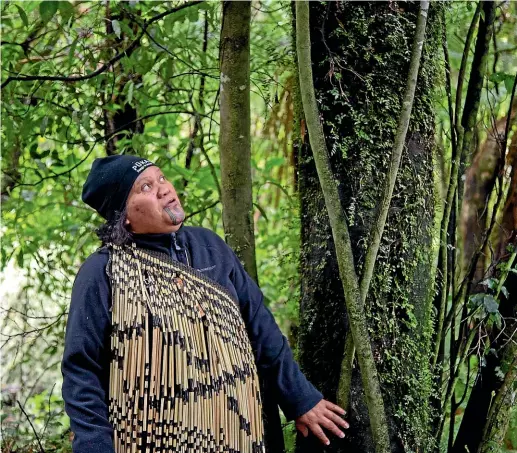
point(153, 205)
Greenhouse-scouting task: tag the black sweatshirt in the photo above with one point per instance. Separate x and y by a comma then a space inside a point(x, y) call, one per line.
point(85, 365)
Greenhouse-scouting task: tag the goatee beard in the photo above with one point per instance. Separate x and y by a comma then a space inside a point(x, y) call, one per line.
point(177, 216)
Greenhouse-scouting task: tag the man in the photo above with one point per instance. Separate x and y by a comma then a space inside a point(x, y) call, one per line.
point(166, 332)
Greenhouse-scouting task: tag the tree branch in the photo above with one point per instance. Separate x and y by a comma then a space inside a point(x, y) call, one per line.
point(105, 66)
point(206, 208)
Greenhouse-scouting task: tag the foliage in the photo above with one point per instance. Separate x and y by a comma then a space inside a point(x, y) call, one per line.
point(52, 131)
point(162, 92)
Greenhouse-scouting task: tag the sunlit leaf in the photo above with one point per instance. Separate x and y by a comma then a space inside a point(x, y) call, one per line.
point(116, 27)
point(23, 15)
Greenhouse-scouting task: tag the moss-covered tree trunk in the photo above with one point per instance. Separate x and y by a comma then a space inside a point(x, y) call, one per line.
point(360, 55)
point(234, 138)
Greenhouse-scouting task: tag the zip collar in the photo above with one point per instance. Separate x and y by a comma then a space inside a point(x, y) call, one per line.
point(171, 244)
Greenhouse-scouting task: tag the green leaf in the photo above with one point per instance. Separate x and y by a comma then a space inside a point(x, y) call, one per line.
point(71, 52)
point(497, 318)
point(505, 291)
point(126, 29)
point(490, 304)
point(19, 258)
point(491, 283)
point(130, 92)
point(33, 151)
point(66, 9)
point(23, 15)
point(274, 162)
point(116, 27)
point(47, 10)
point(508, 83)
point(507, 79)
point(43, 125)
point(85, 121)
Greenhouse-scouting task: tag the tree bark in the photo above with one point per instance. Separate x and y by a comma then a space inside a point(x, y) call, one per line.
point(234, 138)
point(340, 235)
point(359, 52)
point(235, 158)
point(384, 203)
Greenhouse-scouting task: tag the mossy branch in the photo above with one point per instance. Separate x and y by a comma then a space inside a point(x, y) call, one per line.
point(384, 204)
point(499, 415)
point(354, 305)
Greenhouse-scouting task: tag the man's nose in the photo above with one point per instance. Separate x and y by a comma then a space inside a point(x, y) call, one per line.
point(163, 191)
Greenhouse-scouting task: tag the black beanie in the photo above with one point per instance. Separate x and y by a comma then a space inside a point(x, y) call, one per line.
point(110, 180)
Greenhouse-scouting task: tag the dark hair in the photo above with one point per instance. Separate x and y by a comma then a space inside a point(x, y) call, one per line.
point(115, 231)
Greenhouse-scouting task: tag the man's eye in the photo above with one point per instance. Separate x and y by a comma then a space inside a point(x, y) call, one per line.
point(146, 187)
point(162, 178)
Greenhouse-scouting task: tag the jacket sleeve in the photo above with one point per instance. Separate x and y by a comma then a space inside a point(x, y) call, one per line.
point(85, 364)
point(296, 395)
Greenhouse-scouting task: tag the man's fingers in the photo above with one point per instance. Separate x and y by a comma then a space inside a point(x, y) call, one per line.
point(318, 432)
point(337, 419)
point(335, 408)
point(304, 430)
point(331, 426)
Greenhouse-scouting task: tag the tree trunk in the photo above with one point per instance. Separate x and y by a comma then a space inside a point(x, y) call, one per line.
point(235, 155)
point(234, 138)
point(360, 55)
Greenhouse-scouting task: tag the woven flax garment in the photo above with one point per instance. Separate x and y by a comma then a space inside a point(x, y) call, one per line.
point(182, 377)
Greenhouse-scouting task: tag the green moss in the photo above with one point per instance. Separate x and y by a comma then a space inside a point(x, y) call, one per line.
point(360, 82)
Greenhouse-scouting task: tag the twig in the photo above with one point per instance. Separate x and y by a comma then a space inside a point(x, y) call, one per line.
point(210, 206)
point(32, 426)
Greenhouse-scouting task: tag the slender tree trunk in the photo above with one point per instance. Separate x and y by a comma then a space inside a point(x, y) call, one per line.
point(466, 131)
point(360, 61)
point(235, 155)
point(234, 138)
point(501, 408)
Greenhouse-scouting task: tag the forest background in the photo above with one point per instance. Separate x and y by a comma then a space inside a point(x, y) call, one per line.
point(162, 79)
